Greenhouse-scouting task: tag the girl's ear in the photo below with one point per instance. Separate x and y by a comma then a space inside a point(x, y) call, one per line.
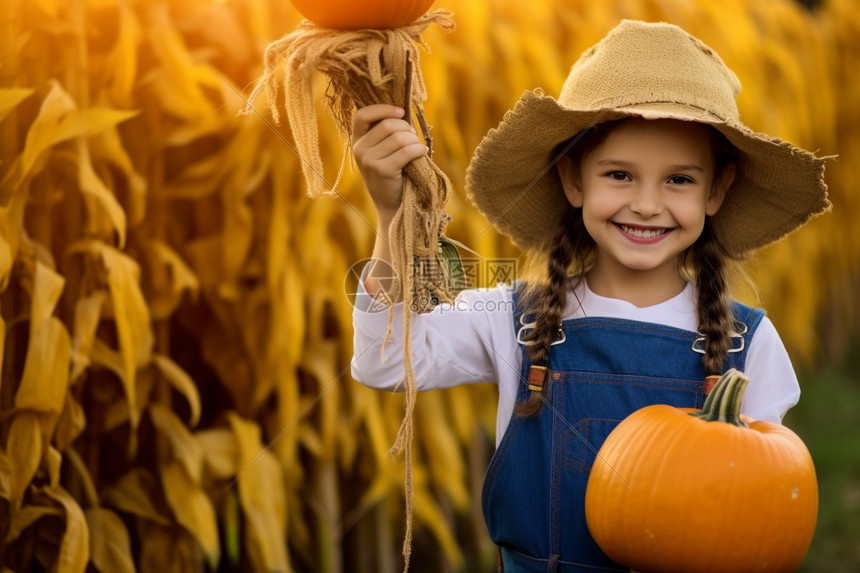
point(570, 180)
point(719, 188)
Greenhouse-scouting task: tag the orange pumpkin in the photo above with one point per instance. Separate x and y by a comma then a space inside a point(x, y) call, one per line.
point(360, 14)
point(683, 490)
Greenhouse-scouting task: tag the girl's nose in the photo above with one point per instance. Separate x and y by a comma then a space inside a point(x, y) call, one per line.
point(646, 201)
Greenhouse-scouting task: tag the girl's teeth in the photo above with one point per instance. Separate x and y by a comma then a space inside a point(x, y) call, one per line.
point(642, 233)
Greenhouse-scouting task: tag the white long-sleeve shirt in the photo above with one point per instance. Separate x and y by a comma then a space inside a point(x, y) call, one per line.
point(473, 340)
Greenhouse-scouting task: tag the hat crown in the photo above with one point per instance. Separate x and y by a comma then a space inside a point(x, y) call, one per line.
point(640, 64)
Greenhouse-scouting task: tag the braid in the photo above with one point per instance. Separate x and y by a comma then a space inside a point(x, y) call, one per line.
point(548, 298)
point(714, 307)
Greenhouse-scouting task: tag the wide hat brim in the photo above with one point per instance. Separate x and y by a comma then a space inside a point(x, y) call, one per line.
point(512, 178)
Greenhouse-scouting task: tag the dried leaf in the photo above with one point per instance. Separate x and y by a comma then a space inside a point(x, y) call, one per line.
point(11, 97)
point(70, 424)
point(122, 60)
point(181, 382)
point(6, 476)
point(174, 81)
point(134, 493)
point(60, 120)
point(167, 550)
point(27, 516)
point(220, 452)
point(44, 382)
point(88, 310)
point(184, 448)
point(24, 448)
point(53, 461)
point(107, 147)
point(110, 545)
point(75, 546)
point(170, 278)
point(90, 121)
point(260, 484)
point(192, 508)
point(82, 478)
point(42, 134)
point(130, 314)
point(99, 197)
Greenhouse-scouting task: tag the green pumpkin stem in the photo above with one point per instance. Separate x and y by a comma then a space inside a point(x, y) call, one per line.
point(724, 401)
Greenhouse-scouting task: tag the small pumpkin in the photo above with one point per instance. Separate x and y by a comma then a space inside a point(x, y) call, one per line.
point(361, 14)
point(684, 490)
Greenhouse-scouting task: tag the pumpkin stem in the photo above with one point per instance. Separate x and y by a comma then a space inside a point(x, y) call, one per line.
point(724, 401)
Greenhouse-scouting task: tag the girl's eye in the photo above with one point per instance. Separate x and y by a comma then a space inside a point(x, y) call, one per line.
point(618, 175)
point(679, 180)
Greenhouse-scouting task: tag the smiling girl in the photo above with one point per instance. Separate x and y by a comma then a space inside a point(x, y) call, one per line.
point(638, 186)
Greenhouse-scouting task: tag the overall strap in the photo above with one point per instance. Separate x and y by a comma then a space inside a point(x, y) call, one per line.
point(748, 319)
point(533, 373)
point(528, 381)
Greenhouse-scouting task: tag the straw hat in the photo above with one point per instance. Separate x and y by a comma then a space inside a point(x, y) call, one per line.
point(649, 70)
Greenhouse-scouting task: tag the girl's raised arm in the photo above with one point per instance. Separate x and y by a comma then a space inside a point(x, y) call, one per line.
point(383, 144)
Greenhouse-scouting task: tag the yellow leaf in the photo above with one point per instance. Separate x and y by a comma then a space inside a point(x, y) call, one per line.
point(134, 494)
point(183, 278)
point(6, 255)
point(88, 311)
point(110, 545)
point(104, 355)
point(24, 448)
point(122, 60)
point(181, 382)
point(107, 147)
point(220, 452)
point(169, 277)
point(131, 314)
point(59, 120)
point(184, 448)
point(192, 508)
point(167, 550)
point(70, 424)
point(11, 97)
point(53, 461)
point(173, 82)
point(75, 546)
point(6, 477)
point(27, 516)
point(95, 190)
point(43, 132)
point(261, 488)
point(46, 370)
point(90, 121)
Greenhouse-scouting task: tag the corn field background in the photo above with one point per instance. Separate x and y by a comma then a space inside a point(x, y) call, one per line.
point(174, 319)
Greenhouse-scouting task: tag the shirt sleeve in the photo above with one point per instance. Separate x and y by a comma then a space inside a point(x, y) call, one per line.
point(451, 345)
point(773, 387)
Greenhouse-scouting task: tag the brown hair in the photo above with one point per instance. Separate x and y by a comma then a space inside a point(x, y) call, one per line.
point(570, 254)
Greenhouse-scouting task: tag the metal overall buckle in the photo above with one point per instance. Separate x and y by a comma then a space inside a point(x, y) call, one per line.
point(740, 330)
point(527, 326)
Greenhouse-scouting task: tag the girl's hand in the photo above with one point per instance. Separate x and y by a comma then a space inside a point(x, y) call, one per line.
point(383, 144)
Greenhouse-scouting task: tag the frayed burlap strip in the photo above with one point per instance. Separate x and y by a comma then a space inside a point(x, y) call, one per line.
point(367, 67)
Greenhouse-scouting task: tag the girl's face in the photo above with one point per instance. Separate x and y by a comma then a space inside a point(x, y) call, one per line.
point(644, 193)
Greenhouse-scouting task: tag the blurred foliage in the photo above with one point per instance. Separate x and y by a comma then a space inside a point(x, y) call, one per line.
point(176, 340)
point(828, 420)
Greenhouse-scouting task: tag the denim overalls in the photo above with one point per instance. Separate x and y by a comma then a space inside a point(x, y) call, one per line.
point(602, 369)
